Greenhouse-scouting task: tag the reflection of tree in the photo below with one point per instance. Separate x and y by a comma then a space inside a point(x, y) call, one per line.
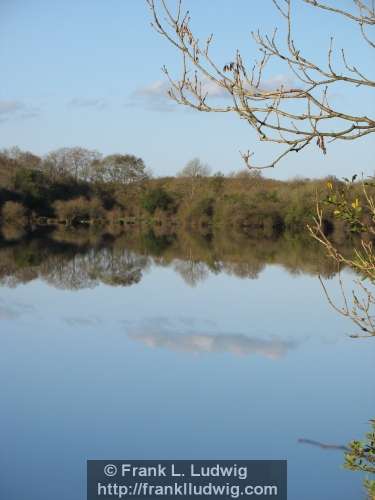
point(75, 259)
point(323, 446)
point(250, 270)
point(98, 266)
point(67, 267)
point(192, 271)
point(13, 231)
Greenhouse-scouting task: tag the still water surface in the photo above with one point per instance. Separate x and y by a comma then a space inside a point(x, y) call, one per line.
point(157, 347)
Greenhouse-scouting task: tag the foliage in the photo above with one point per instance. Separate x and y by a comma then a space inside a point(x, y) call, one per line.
point(361, 457)
point(244, 199)
point(156, 198)
point(120, 169)
point(347, 206)
point(32, 185)
point(355, 205)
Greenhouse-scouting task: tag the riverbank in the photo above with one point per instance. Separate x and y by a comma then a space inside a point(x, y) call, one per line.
point(73, 187)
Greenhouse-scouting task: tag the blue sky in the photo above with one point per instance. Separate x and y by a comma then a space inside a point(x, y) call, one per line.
point(88, 72)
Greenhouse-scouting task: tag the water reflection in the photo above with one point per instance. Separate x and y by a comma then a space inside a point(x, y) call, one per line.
point(14, 310)
point(85, 258)
point(172, 335)
point(198, 345)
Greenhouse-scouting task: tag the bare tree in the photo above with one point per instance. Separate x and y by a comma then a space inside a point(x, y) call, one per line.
point(193, 171)
point(292, 116)
point(76, 162)
point(195, 168)
point(24, 159)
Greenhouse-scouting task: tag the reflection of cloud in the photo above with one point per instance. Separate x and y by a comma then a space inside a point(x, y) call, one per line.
point(156, 335)
point(84, 102)
point(78, 321)
point(7, 312)
point(13, 311)
point(29, 114)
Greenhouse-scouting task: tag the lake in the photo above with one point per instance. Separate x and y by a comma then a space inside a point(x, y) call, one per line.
point(143, 345)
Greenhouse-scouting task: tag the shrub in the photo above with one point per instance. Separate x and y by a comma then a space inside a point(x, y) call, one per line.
point(79, 210)
point(156, 198)
point(14, 212)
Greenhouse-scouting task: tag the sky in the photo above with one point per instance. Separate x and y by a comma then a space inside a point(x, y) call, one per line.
point(88, 73)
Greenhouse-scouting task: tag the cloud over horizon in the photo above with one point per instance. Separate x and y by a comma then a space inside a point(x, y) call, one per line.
point(13, 108)
point(154, 96)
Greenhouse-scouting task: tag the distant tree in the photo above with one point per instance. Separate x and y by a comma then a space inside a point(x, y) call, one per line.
point(120, 169)
point(76, 162)
point(194, 171)
point(24, 159)
point(195, 168)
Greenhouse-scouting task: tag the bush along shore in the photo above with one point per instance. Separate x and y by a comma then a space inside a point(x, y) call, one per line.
point(75, 187)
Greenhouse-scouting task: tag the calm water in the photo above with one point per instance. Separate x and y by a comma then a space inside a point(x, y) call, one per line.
point(156, 346)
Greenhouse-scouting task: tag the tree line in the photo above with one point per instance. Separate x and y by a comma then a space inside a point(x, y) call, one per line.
point(75, 186)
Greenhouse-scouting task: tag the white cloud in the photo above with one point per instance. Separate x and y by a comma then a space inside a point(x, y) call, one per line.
point(85, 102)
point(11, 107)
point(17, 109)
point(160, 88)
point(155, 95)
point(277, 81)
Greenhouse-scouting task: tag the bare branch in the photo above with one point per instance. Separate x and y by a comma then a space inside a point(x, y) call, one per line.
point(276, 114)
